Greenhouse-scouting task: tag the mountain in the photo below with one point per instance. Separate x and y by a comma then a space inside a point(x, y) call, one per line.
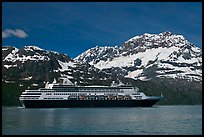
point(156, 63)
point(32, 62)
point(148, 56)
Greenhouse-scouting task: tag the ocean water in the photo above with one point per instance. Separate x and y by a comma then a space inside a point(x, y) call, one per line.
point(158, 120)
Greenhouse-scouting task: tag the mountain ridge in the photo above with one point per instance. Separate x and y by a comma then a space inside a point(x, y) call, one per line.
point(143, 55)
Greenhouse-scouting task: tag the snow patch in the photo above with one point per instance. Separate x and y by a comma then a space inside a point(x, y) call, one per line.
point(8, 66)
point(27, 78)
point(128, 61)
point(135, 73)
point(31, 48)
point(65, 65)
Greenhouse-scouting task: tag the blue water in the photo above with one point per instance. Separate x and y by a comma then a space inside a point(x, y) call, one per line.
point(159, 120)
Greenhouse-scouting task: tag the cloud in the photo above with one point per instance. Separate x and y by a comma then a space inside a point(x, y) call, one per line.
point(16, 33)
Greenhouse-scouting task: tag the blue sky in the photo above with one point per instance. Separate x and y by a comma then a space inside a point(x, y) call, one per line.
point(74, 27)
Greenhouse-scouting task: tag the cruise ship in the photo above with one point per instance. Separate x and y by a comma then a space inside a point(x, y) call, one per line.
point(65, 94)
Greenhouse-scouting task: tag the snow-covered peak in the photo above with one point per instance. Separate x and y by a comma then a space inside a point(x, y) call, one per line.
point(150, 36)
point(98, 53)
point(7, 47)
point(167, 39)
point(28, 53)
point(165, 51)
point(32, 48)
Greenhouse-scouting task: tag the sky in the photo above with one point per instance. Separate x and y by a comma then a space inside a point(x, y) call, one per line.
point(74, 27)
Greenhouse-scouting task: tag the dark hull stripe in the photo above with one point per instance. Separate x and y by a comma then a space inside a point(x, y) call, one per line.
point(87, 103)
